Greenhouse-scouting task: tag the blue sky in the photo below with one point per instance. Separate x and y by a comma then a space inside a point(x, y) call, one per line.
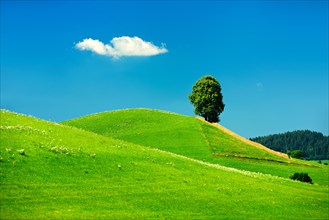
point(270, 57)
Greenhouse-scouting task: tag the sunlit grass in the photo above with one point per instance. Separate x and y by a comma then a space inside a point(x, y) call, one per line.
point(193, 138)
point(105, 178)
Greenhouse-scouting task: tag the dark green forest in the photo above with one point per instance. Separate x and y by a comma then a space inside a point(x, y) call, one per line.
point(314, 145)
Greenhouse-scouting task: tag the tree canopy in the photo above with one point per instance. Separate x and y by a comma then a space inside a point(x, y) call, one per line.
point(314, 145)
point(207, 98)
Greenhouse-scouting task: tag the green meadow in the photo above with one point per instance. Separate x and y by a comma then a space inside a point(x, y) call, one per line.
point(184, 135)
point(147, 164)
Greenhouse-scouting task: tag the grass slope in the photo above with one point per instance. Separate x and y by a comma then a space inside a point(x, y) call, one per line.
point(249, 142)
point(193, 138)
point(168, 131)
point(68, 173)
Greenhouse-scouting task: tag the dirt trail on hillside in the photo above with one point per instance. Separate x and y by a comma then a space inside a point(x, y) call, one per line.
point(220, 127)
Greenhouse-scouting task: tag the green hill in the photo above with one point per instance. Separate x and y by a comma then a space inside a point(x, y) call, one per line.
point(54, 171)
point(194, 138)
point(170, 132)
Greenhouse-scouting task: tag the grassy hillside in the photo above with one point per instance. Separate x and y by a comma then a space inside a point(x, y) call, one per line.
point(193, 138)
point(168, 131)
point(54, 171)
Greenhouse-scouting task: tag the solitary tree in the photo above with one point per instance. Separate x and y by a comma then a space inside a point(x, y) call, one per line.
point(207, 98)
point(298, 154)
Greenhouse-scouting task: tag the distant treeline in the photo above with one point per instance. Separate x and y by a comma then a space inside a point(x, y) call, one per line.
point(314, 145)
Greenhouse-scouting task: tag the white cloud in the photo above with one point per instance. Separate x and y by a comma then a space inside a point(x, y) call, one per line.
point(122, 46)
